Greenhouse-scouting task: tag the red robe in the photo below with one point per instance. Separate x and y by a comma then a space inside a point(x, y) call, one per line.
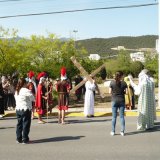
point(40, 103)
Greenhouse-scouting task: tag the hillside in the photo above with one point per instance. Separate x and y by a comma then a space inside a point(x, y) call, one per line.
point(103, 46)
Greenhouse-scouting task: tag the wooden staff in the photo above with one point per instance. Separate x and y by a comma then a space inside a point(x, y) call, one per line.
point(47, 99)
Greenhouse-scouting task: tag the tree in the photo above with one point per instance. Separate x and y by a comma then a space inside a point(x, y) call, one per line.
point(124, 62)
point(136, 67)
point(38, 53)
point(9, 53)
point(151, 64)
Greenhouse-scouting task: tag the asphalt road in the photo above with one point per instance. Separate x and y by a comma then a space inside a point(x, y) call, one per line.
point(81, 139)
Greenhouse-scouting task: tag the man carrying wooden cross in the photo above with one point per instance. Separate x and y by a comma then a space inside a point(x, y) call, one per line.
point(90, 86)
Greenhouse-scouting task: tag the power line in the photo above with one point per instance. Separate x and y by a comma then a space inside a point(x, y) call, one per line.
point(3, 1)
point(26, 0)
point(80, 10)
point(6, 1)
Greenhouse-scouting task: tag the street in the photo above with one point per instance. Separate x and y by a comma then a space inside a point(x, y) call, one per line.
point(81, 139)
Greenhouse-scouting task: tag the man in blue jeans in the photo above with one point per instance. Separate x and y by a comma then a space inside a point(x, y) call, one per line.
point(118, 89)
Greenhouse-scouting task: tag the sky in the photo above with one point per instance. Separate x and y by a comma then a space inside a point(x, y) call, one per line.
point(80, 25)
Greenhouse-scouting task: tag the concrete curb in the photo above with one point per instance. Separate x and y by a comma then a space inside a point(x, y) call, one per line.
point(80, 114)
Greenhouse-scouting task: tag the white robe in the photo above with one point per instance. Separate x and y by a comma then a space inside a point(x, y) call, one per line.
point(146, 103)
point(89, 98)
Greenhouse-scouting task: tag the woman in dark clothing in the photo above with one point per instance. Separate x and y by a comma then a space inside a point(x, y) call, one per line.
point(118, 90)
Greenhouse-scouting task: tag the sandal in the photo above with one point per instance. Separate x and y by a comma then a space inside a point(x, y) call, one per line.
point(41, 122)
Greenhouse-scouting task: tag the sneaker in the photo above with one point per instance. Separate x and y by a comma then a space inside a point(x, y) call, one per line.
point(28, 142)
point(1, 116)
point(25, 142)
point(122, 133)
point(112, 133)
point(18, 141)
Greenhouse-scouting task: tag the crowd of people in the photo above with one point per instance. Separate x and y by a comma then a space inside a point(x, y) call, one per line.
point(29, 95)
point(8, 88)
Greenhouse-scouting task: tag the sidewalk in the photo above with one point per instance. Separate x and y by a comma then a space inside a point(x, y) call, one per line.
point(76, 110)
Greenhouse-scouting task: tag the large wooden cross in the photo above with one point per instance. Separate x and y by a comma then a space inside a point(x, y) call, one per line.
point(84, 73)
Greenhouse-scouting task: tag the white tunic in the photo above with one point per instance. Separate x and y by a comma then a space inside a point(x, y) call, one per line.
point(146, 103)
point(89, 98)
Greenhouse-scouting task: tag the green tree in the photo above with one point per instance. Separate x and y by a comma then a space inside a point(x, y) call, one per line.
point(124, 62)
point(151, 64)
point(38, 53)
point(10, 56)
point(136, 67)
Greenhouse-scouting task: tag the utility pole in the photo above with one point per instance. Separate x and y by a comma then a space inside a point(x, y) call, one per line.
point(159, 56)
point(75, 32)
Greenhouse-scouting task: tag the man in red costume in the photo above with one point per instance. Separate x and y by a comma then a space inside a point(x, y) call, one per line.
point(63, 89)
point(41, 99)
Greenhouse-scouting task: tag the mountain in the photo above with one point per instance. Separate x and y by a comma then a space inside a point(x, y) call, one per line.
point(102, 46)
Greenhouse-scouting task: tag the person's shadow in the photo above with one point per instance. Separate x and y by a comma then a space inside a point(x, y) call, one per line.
point(6, 127)
point(156, 128)
point(56, 139)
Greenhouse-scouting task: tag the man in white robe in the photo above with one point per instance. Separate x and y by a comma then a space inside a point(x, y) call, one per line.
point(89, 99)
point(146, 101)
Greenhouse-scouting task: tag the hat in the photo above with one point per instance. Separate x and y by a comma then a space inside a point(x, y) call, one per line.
point(63, 73)
point(30, 74)
point(143, 72)
point(42, 74)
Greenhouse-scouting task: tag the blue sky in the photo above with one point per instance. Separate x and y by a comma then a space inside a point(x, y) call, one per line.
point(89, 24)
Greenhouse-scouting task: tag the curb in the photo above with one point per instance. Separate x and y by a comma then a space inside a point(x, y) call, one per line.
point(80, 114)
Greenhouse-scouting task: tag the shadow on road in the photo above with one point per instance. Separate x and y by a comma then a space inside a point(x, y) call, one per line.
point(156, 128)
point(89, 120)
point(56, 139)
point(8, 118)
point(6, 127)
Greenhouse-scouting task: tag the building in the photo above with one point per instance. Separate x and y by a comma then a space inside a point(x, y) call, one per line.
point(119, 48)
point(94, 57)
point(157, 45)
point(137, 56)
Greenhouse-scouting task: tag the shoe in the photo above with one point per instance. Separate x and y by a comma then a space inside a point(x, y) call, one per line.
point(28, 142)
point(1, 116)
point(18, 141)
point(112, 133)
point(41, 122)
point(122, 133)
